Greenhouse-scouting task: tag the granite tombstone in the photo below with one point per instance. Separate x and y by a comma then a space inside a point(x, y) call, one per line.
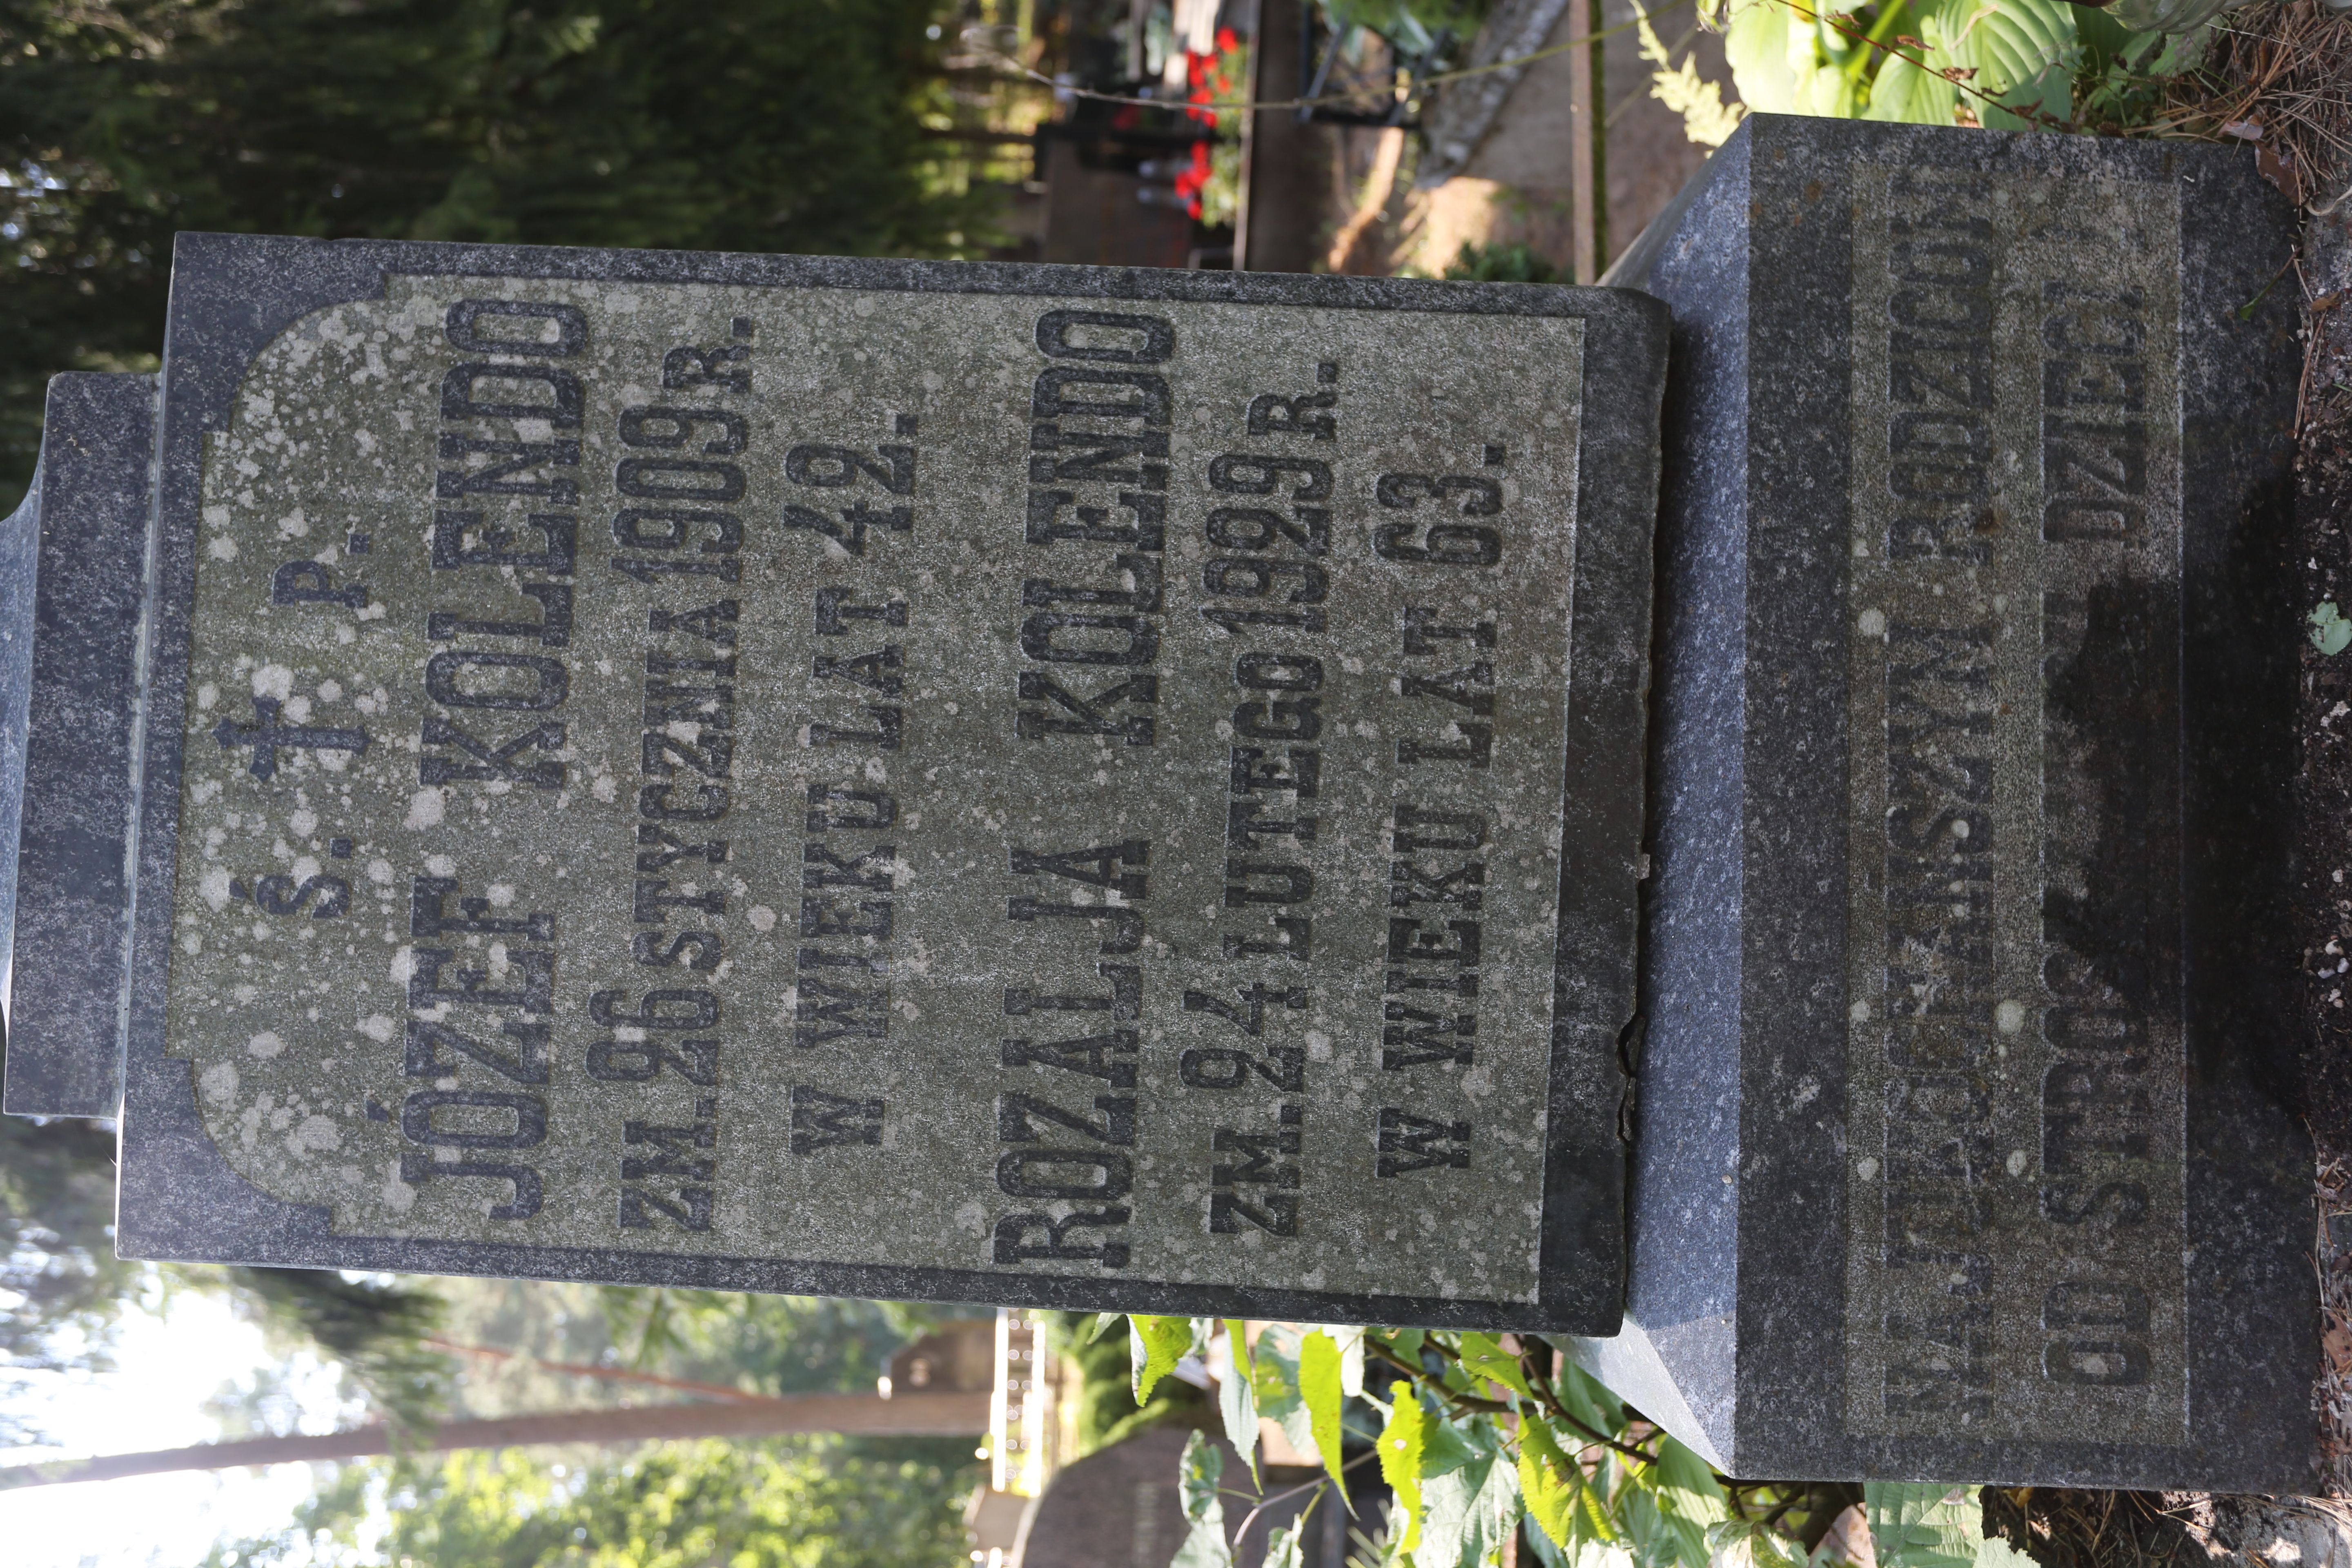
point(1962, 1149)
point(1038, 786)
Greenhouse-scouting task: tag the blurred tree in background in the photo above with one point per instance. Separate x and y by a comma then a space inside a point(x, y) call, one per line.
point(795, 1501)
point(771, 125)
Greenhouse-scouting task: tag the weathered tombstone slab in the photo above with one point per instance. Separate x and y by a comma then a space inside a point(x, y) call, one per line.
point(1036, 785)
point(1961, 1149)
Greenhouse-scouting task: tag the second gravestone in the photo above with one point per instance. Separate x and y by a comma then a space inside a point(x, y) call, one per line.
point(1963, 1148)
point(988, 784)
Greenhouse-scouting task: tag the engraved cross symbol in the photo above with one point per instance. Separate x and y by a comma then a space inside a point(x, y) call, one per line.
point(266, 737)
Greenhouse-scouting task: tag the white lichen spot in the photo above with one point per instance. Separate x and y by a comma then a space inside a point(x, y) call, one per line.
point(206, 695)
point(762, 917)
point(425, 809)
point(330, 691)
point(2010, 1018)
point(403, 965)
point(501, 894)
point(603, 789)
point(273, 680)
point(1873, 623)
point(304, 823)
point(440, 866)
point(266, 1043)
point(216, 888)
point(297, 710)
point(314, 1134)
point(380, 870)
point(293, 525)
point(376, 1027)
point(219, 1083)
point(398, 1195)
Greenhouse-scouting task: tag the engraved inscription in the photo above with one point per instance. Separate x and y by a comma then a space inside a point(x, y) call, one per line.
point(2014, 1092)
point(993, 783)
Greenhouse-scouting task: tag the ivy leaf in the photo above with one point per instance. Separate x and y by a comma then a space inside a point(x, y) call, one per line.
point(1484, 1355)
point(1319, 1388)
point(1401, 1444)
point(1236, 1396)
point(1154, 1346)
point(1203, 1467)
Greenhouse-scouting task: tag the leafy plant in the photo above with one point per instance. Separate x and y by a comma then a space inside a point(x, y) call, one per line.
point(2016, 65)
point(1500, 264)
point(1483, 1438)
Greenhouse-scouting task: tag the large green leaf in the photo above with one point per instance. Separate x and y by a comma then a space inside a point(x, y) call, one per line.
point(1401, 1447)
point(2024, 52)
point(1154, 1347)
point(1484, 1355)
point(1204, 1466)
point(1904, 93)
point(1319, 1389)
point(1236, 1396)
point(1668, 1508)
point(1771, 55)
point(1559, 1497)
point(1468, 1513)
point(1932, 1525)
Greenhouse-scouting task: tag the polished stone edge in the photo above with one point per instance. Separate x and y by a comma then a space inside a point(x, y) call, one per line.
point(1734, 1326)
point(70, 574)
point(231, 295)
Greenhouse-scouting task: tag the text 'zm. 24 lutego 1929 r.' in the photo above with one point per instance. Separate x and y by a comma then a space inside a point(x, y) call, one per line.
point(989, 784)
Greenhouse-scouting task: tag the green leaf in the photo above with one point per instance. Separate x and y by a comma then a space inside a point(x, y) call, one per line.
point(1667, 1508)
point(2024, 52)
point(1770, 55)
point(2330, 632)
point(1095, 1329)
point(1586, 1399)
point(1236, 1398)
point(1203, 1467)
point(1401, 1447)
point(1484, 1355)
point(1905, 94)
point(1450, 1446)
point(1559, 1498)
point(1154, 1346)
point(1283, 1548)
point(1748, 1543)
point(1924, 1524)
point(1319, 1388)
point(1469, 1512)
